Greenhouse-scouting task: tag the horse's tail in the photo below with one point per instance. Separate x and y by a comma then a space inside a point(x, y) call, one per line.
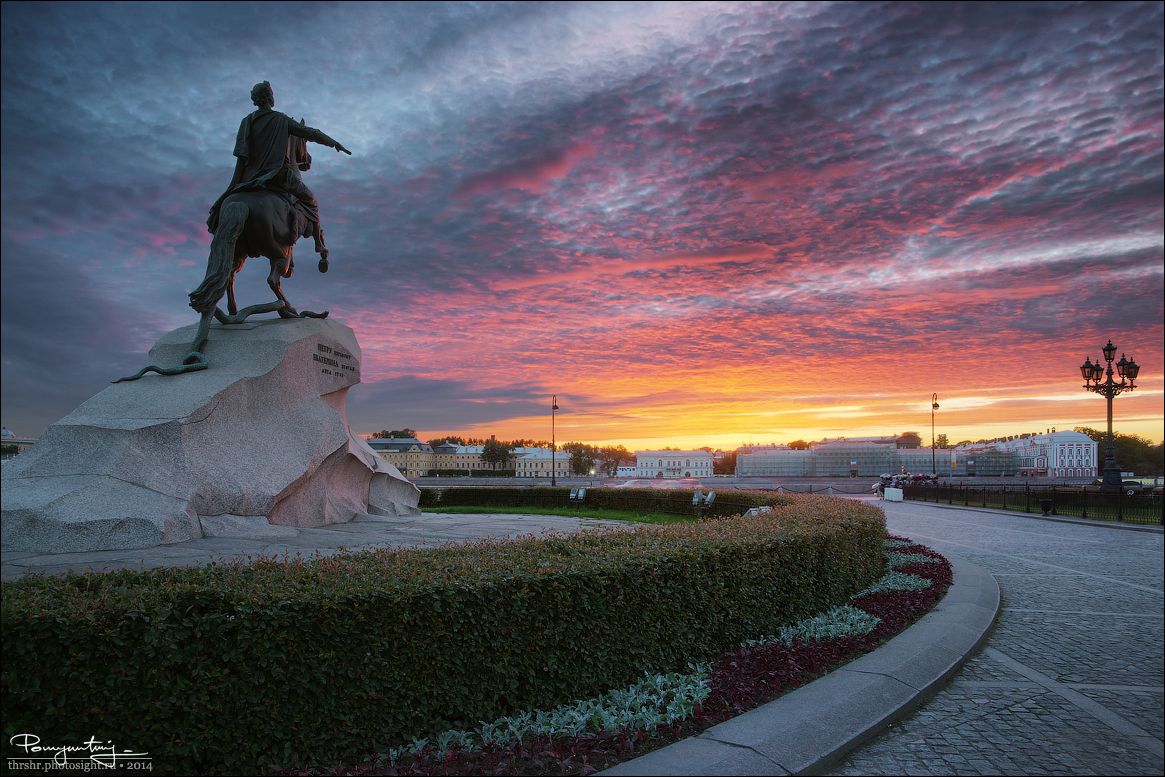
point(231, 221)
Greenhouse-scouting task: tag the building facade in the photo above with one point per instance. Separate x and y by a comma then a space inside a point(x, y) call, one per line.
point(537, 463)
point(775, 461)
point(855, 457)
point(412, 457)
point(673, 464)
point(415, 458)
point(1058, 454)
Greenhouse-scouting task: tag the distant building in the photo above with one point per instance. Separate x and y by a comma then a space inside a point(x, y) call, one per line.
point(408, 454)
point(537, 463)
point(11, 441)
point(629, 471)
point(855, 456)
point(450, 458)
point(673, 464)
point(776, 461)
point(1057, 454)
point(415, 458)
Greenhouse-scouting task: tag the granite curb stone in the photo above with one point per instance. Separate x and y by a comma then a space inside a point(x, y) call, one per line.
point(811, 728)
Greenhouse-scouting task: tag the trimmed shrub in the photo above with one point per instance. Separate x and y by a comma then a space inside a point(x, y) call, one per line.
point(233, 667)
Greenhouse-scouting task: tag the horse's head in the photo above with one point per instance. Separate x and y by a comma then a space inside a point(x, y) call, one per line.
point(299, 152)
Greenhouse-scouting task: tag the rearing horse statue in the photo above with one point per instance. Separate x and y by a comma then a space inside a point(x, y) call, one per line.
point(264, 211)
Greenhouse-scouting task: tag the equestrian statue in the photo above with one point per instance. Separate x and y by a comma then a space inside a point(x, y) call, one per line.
point(263, 212)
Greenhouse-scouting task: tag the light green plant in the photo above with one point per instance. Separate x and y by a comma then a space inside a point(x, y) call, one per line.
point(656, 700)
point(895, 581)
point(906, 559)
point(844, 621)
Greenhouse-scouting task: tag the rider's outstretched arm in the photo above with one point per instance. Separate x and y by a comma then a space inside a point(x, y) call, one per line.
point(315, 136)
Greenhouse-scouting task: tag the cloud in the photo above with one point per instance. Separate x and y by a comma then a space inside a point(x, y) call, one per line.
point(708, 201)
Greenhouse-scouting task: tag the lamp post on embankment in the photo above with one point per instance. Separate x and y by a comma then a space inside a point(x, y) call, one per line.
point(933, 407)
point(1092, 373)
point(553, 447)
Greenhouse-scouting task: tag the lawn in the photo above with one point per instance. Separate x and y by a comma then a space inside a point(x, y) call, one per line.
point(575, 512)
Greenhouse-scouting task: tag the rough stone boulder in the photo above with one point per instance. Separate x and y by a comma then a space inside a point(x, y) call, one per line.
point(260, 438)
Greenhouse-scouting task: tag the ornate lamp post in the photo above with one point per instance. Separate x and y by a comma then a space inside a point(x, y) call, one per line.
point(1092, 374)
point(933, 407)
point(553, 467)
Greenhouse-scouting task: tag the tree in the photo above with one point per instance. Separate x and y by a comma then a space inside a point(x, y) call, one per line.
point(496, 453)
point(611, 456)
point(799, 445)
point(942, 441)
point(524, 443)
point(909, 440)
point(1134, 453)
point(582, 457)
point(449, 438)
point(961, 443)
point(385, 434)
point(726, 465)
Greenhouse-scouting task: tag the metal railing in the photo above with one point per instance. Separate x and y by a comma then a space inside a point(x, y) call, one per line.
point(1141, 507)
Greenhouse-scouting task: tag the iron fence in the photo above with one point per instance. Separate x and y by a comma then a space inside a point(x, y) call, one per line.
point(1078, 502)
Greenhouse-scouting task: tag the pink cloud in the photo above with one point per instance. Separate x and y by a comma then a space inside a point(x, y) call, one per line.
point(533, 176)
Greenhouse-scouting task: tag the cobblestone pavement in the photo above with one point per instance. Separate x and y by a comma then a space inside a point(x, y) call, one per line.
point(1070, 681)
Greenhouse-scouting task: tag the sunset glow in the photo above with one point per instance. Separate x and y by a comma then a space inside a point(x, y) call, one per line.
point(695, 223)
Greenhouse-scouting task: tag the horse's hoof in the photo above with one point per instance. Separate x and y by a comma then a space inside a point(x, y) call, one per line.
point(323, 264)
point(194, 357)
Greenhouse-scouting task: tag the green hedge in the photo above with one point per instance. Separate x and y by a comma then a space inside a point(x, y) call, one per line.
point(654, 500)
point(232, 668)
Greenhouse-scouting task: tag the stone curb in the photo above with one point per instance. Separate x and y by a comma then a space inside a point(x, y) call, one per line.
point(808, 730)
point(1040, 517)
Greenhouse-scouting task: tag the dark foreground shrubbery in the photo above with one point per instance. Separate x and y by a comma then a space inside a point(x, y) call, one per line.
point(233, 668)
point(647, 500)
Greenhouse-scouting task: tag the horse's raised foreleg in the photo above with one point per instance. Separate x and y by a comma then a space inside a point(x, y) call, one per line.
point(321, 248)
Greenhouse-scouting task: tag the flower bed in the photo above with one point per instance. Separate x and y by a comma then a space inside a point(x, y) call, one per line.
point(660, 709)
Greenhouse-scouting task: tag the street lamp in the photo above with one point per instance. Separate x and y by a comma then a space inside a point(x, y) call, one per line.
point(1092, 374)
point(933, 407)
point(553, 407)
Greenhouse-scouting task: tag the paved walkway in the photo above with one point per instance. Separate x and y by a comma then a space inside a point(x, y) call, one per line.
point(381, 532)
point(1070, 681)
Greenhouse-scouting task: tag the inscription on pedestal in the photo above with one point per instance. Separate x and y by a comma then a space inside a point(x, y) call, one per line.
point(335, 363)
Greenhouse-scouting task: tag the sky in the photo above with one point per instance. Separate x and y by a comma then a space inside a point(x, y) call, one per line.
point(692, 223)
